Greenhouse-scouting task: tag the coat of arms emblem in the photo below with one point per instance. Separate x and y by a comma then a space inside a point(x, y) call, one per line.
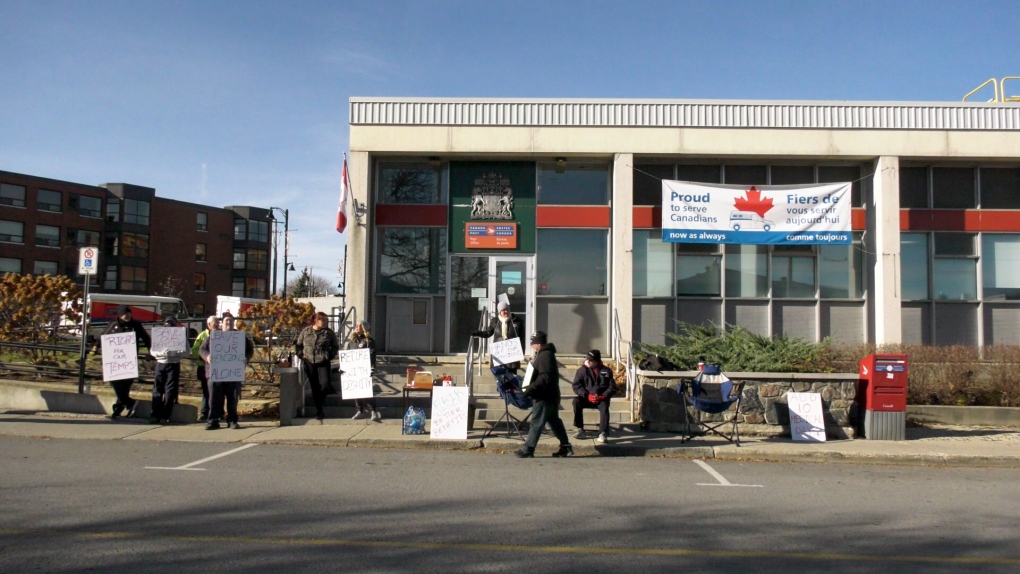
point(492, 197)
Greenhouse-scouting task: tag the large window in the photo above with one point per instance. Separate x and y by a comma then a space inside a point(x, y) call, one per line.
point(648, 182)
point(840, 270)
point(82, 237)
point(12, 232)
point(134, 245)
point(1000, 188)
point(12, 195)
point(914, 266)
point(255, 287)
point(955, 267)
point(240, 231)
point(652, 264)
point(793, 271)
point(49, 201)
point(572, 261)
point(1000, 266)
point(113, 210)
point(10, 265)
point(412, 260)
point(87, 206)
point(952, 187)
point(258, 231)
point(746, 271)
point(698, 270)
point(133, 278)
point(257, 260)
point(569, 183)
point(409, 182)
point(45, 268)
point(202, 221)
point(136, 211)
point(47, 236)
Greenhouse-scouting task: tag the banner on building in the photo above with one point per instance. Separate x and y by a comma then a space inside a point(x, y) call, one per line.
point(768, 214)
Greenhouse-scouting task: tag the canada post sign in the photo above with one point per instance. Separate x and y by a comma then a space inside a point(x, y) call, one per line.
point(768, 214)
point(490, 235)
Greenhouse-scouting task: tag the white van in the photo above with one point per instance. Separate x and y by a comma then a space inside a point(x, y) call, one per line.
point(149, 309)
point(748, 221)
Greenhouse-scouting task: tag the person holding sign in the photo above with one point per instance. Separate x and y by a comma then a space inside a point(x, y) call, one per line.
point(594, 386)
point(170, 343)
point(225, 365)
point(361, 339)
point(544, 388)
point(212, 323)
point(317, 346)
point(503, 327)
point(122, 387)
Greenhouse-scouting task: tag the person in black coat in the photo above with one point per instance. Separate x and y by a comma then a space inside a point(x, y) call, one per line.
point(122, 387)
point(503, 327)
point(594, 386)
point(544, 389)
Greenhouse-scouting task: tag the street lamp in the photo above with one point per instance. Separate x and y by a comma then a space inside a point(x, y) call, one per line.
point(276, 248)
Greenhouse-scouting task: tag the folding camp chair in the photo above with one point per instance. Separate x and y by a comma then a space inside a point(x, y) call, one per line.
point(712, 393)
point(509, 387)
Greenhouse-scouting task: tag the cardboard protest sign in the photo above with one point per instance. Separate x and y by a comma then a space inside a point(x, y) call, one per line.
point(806, 420)
point(356, 374)
point(120, 356)
point(169, 339)
point(226, 356)
point(529, 375)
point(449, 413)
point(506, 352)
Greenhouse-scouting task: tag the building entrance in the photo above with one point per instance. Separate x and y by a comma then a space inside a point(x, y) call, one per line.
point(478, 283)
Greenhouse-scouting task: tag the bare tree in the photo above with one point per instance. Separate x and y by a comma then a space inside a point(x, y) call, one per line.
point(309, 284)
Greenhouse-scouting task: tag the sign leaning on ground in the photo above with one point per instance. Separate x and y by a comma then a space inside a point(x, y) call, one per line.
point(169, 339)
point(449, 413)
point(226, 356)
point(506, 352)
point(807, 422)
point(120, 356)
point(356, 374)
point(767, 214)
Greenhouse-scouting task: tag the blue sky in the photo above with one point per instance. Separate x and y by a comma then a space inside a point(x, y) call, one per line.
point(245, 103)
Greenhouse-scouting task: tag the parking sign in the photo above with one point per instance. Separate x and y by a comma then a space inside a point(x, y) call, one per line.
point(88, 260)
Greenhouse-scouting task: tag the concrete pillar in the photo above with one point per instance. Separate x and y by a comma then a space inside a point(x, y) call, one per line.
point(359, 257)
point(882, 242)
point(622, 245)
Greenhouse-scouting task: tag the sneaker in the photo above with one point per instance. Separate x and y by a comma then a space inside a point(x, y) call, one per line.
point(565, 450)
point(601, 439)
point(525, 453)
point(234, 425)
point(131, 410)
point(117, 409)
point(359, 415)
point(580, 434)
point(212, 425)
point(376, 416)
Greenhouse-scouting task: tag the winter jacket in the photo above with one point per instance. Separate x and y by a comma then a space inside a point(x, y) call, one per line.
point(515, 328)
point(317, 346)
point(545, 382)
point(141, 336)
point(594, 381)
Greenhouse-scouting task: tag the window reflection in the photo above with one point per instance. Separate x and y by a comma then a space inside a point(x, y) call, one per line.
point(409, 183)
point(583, 184)
point(746, 271)
point(793, 276)
point(1000, 266)
point(653, 264)
point(698, 274)
point(412, 260)
point(572, 261)
point(914, 266)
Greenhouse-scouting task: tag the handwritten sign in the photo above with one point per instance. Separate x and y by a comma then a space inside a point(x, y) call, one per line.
point(356, 375)
point(169, 339)
point(529, 375)
point(806, 420)
point(449, 413)
point(120, 356)
point(226, 356)
point(506, 352)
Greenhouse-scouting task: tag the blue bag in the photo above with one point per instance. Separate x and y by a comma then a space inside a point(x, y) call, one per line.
point(414, 421)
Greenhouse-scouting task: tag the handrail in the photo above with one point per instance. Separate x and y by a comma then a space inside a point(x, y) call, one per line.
point(630, 369)
point(469, 374)
point(995, 85)
point(1002, 89)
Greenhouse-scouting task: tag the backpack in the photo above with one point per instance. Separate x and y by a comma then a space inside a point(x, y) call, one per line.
point(657, 363)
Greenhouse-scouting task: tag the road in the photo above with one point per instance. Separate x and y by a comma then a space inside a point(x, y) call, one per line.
point(115, 506)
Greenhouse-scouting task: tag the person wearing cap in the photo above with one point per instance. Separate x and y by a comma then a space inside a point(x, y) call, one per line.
point(168, 377)
point(594, 386)
point(361, 338)
point(544, 389)
point(125, 323)
point(225, 391)
point(503, 327)
point(317, 346)
point(212, 323)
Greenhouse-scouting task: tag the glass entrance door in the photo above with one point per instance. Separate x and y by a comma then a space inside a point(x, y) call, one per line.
point(478, 283)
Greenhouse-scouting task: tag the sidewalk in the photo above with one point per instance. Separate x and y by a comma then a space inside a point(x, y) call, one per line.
point(941, 446)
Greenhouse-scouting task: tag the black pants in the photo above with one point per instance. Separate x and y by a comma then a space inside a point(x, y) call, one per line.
point(204, 379)
point(318, 378)
point(228, 391)
point(122, 388)
point(581, 403)
point(546, 412)
point(165, 388)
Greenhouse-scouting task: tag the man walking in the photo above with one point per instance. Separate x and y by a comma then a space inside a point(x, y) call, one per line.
point(544, 389)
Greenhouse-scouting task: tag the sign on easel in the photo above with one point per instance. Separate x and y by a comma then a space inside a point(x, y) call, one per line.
point(120, 356)
point(356, 374)
point(449, 413)
point(807, 422)
point(506, 352)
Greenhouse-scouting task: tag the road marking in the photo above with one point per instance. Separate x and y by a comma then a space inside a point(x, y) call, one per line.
point(198, 462)
point(390, 544)
point(722, 479)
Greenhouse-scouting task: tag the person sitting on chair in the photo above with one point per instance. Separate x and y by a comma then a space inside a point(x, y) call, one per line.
point(503, 327)
point(594, 386)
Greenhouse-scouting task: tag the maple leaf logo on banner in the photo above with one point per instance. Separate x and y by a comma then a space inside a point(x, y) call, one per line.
point(754, 202)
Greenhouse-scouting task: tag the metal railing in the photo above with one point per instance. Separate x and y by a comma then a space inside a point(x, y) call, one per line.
point(618, 345)
point(998, 90)
point(473, 361)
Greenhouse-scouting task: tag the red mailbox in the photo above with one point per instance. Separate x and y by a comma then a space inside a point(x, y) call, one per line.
point(882, 393)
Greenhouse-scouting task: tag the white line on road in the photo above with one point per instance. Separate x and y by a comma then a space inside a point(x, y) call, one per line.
point(198, 462)
point(722, 479)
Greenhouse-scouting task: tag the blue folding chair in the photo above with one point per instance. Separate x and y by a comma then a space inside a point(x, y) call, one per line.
point(712, 393)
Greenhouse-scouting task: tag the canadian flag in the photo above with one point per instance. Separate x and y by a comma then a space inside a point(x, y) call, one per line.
point(341, 212)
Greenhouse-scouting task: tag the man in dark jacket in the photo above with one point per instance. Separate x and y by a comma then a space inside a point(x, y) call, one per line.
point(594, 386)
point(125, 324)
point(544, 389)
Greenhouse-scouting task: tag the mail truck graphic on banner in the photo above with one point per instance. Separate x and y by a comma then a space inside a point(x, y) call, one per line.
point(767, 214)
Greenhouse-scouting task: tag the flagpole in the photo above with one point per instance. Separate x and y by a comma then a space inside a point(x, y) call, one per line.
point(343, 297)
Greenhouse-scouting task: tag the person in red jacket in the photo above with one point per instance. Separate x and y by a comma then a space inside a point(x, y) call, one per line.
point(594, 386)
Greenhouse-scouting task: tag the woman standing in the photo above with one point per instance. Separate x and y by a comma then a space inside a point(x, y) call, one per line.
point(317, 346)
point(361, 339)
